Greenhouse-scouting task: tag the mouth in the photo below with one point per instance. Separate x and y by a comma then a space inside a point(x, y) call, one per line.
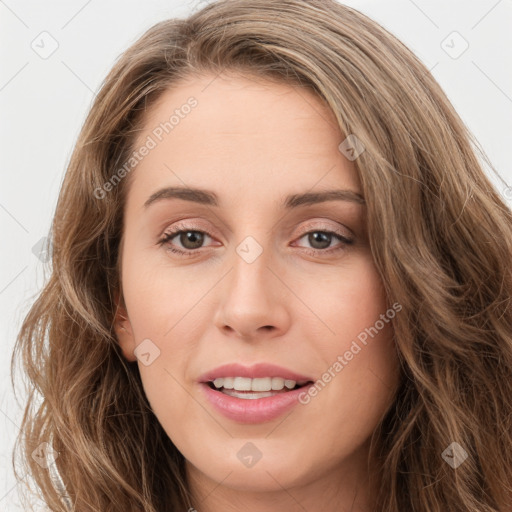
point(253, 394)
point(253, 401)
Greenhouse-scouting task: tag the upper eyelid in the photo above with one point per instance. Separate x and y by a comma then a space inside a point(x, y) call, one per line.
point(185, 225)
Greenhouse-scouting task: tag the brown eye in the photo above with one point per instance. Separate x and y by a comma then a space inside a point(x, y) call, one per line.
point(187, 242)
point(184, 241)
point(191, 239)
point(320, 241)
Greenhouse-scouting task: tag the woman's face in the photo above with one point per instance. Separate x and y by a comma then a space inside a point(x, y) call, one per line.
point(268, 270)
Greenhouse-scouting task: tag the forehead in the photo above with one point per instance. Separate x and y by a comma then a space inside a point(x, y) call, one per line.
point(241, 132)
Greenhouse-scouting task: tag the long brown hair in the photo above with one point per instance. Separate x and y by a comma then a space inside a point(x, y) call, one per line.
point(440, 235)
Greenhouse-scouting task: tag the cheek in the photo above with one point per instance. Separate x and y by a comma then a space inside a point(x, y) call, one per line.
point(345, 304)
point(159, 296)
point(160, 302)
point(360, 364)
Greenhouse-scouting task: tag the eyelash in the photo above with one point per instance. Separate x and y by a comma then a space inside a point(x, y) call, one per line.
point(167, 237)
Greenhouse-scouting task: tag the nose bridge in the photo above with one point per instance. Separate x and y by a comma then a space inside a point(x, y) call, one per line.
point(251, 298)
point(249, 280)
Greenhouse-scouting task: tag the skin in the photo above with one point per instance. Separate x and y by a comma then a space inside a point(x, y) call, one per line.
point(253, 143)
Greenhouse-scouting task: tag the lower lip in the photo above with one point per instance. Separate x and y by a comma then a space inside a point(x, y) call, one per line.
point(256, 410)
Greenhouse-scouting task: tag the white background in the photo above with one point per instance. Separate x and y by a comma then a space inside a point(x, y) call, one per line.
point(43, 103)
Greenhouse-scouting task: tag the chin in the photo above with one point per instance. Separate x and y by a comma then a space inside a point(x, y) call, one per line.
point(264, 476)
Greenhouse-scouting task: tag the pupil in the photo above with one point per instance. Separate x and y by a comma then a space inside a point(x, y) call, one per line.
point(318, 235)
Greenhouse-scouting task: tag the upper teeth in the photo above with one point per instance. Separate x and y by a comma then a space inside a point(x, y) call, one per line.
point(260, 384)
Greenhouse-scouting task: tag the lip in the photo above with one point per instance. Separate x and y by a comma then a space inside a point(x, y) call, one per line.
point(256, 371)
point(255, 410)
point(258, 410)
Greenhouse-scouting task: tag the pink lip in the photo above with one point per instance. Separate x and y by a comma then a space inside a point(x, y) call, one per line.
point(256, 410)
point(256, 371)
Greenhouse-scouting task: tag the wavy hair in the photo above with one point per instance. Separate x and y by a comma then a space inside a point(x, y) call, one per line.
point(440, 235)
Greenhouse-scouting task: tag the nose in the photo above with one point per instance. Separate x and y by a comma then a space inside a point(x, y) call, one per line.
point(253, 302)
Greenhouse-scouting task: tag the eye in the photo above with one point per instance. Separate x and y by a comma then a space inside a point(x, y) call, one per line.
point(192, 240)
point(321, 241)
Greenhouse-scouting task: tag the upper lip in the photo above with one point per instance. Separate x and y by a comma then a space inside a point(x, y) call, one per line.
point(255, 371)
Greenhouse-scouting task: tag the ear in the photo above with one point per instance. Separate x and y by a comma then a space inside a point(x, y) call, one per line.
point(123, 329)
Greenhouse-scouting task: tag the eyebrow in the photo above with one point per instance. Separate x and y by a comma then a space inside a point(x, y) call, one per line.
point(210, 198)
